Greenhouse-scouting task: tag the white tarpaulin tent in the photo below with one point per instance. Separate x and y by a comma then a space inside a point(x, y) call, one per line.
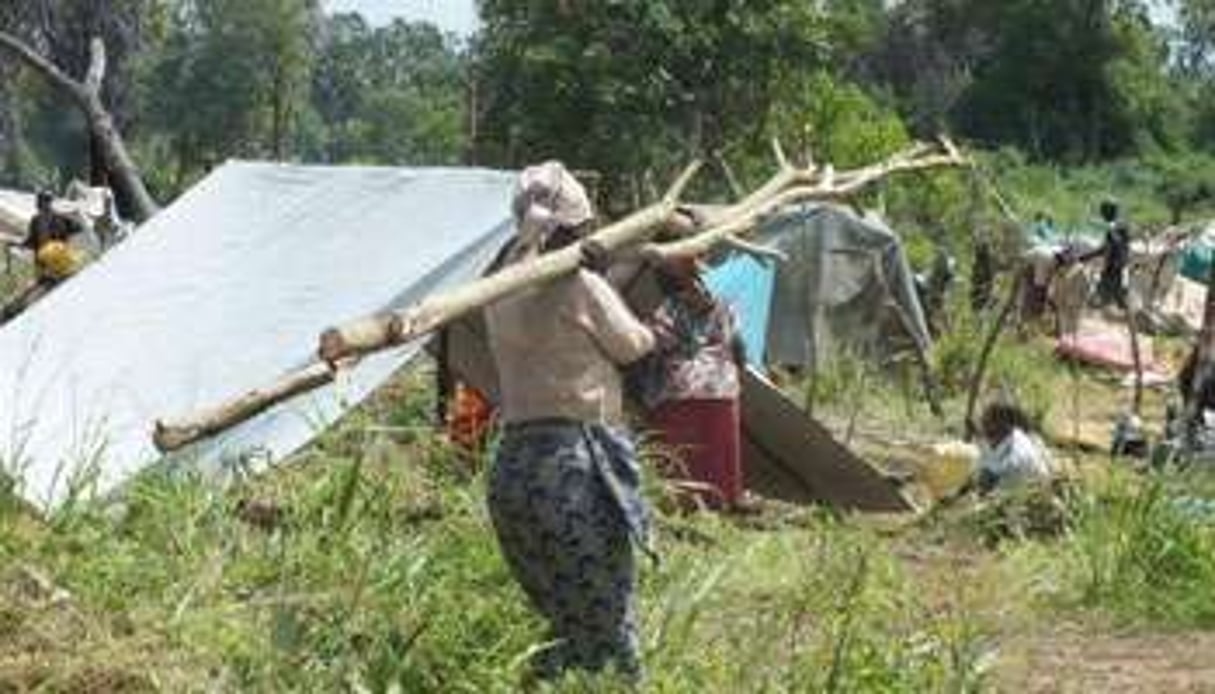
point(221, 292)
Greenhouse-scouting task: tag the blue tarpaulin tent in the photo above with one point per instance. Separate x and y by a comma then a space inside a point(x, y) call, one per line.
point(746, 284)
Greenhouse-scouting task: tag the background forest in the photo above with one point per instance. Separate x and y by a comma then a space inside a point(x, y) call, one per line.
point(1096, 96)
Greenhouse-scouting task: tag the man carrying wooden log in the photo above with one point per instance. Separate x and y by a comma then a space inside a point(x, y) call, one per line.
point(564, 493)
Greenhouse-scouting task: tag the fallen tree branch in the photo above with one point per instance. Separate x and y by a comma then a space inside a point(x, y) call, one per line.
point(917, 158)
point(44, 67)
point(347, 343)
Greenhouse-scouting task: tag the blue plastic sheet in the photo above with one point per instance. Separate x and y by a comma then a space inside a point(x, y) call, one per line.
point(746, 284)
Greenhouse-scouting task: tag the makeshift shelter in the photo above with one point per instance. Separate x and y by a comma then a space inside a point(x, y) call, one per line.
point(227, 285)
point(846, 287)
point(233, 281)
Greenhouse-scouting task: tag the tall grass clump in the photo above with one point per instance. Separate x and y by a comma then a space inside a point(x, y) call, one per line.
point(821, 609)
point(1142, 555)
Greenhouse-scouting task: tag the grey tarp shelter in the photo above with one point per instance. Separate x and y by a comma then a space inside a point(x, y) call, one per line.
point(222, 291)
point(847, 286)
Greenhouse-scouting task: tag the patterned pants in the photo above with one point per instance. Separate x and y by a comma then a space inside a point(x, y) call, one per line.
point(567, 541)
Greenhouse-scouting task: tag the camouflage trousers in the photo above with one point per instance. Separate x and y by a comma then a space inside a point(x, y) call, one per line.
point(566, 517)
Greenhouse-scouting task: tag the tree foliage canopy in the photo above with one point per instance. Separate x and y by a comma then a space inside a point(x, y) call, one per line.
point(629, 88)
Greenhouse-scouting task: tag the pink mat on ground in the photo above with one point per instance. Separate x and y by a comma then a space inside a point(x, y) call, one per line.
point(1106, 344)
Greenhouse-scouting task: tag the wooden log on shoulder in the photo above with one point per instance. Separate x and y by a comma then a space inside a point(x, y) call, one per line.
point(374, 333)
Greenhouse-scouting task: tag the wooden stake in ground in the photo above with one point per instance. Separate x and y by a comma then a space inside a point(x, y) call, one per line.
point(347, 343)
point(989, 344)
point(1132, 310)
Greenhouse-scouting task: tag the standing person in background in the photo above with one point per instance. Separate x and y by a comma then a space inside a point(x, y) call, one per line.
point(47, 237)
point(1116, 249)
point(54, 260)
point(695, 411)
point(564, 494)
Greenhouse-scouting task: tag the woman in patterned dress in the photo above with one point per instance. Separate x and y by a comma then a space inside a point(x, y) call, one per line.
point(696, 410)
point(564, 492)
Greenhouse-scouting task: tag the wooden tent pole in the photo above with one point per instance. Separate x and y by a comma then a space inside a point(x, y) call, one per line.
point(989, 343)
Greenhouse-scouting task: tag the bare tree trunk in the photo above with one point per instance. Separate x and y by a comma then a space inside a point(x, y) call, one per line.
point(87, 95)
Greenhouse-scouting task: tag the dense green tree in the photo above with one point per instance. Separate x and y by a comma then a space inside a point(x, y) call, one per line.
point(639, 85)
point(390, 95)
point(231, 79)
point(1064, 79)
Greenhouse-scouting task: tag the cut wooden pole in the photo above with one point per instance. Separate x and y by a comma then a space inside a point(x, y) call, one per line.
point(170, 436)
point(1136, 358)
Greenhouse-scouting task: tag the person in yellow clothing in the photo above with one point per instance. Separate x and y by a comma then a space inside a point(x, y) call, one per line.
point(47, 237)
point(54, 259)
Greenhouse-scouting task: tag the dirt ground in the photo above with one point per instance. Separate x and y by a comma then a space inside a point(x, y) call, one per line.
point(1081, 658)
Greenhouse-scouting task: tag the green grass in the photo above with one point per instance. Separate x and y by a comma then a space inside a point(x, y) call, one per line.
point(1143, 557)
point(385, 573)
